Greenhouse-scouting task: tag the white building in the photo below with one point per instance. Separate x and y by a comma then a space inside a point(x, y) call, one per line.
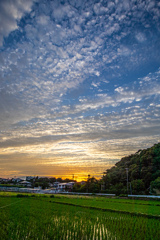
point(65, 186)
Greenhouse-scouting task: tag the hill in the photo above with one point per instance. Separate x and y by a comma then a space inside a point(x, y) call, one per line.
point(143, 170)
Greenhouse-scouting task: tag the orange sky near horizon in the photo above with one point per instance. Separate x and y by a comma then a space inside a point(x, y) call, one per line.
point(79, 85)
point(63, 159)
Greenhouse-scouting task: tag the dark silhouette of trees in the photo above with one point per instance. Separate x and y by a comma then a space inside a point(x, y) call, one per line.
point(143, 172)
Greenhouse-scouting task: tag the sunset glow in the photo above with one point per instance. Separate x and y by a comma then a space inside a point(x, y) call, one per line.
point(79, 85)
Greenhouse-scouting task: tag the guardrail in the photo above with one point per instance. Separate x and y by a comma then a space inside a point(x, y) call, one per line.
point(144, 196)
point(88, 194)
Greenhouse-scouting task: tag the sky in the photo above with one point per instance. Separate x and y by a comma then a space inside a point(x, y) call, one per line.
point(79, 85)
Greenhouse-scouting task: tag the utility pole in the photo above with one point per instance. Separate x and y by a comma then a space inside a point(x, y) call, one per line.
point(130, 188)
point(127, 179)
point(88, 183)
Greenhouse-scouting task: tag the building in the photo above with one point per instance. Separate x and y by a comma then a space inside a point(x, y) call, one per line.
point(26, 184)
point(65, 186)
point(16, 180)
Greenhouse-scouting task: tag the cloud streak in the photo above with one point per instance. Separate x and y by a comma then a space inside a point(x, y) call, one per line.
point(78, 76)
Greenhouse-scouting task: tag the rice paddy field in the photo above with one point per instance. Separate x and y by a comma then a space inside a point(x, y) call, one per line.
point(27, 216)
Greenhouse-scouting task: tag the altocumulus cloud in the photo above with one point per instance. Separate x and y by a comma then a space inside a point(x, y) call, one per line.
point(11, 13)
point(78, 80)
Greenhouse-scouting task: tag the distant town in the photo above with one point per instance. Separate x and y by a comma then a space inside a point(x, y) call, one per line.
point(38, 184)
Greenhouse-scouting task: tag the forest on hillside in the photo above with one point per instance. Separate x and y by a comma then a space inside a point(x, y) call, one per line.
point(138, 173)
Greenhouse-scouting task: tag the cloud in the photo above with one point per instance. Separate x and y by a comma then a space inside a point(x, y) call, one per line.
point(11, 12)
point(99, 9)
point(123, 51)
point(140, 37)
point(76, 82)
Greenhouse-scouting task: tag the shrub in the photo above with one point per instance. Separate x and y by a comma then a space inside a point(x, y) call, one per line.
point(52, 196)
point(22, 195)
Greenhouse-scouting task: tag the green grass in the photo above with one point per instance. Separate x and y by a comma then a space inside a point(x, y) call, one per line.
point(148, 207)
point(41, 217)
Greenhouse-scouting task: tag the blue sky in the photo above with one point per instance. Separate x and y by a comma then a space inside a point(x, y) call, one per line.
point(79, 84)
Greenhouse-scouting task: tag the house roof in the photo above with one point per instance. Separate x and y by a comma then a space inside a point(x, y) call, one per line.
point(25, 182)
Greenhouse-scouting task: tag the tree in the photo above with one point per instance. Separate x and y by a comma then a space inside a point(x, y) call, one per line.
point(144, 167)
point(155, 186)
point(138, 186)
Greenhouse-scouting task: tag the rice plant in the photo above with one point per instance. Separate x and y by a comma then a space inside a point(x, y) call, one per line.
point(40, 219)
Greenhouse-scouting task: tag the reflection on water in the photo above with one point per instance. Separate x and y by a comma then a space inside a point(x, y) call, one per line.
point(81, 228)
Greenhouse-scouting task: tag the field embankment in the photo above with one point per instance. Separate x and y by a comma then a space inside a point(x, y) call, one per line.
point(150, 208)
